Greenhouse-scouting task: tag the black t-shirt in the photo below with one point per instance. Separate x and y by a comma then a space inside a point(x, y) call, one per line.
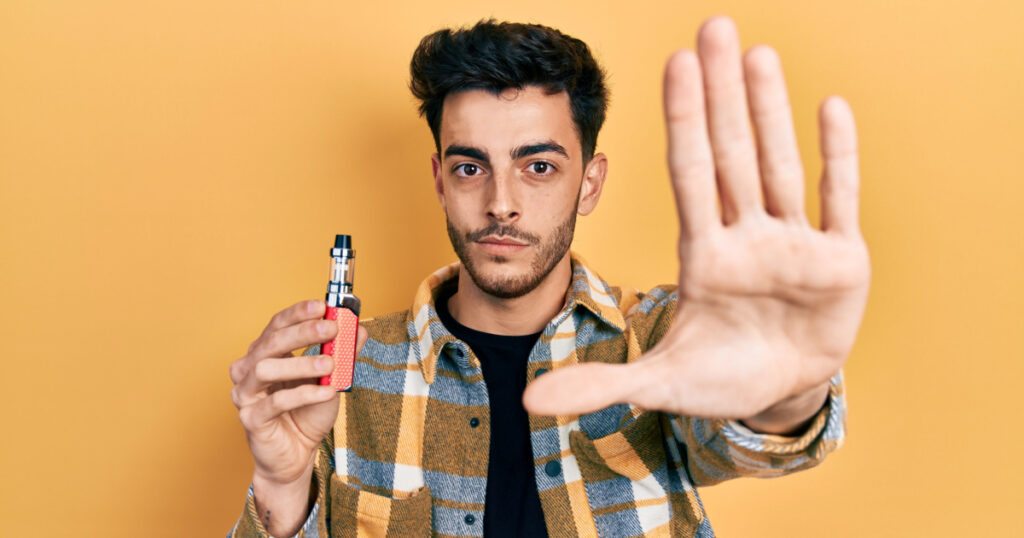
point(512, 505)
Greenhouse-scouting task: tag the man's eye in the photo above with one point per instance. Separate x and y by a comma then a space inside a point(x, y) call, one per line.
point(467, 169)
point(540, 168)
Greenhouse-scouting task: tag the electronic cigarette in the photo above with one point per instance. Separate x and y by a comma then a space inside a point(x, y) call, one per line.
point(343, 309)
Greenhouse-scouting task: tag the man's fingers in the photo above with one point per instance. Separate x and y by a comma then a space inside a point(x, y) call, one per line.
point(283, 341)
point(732, 143)
point(287, 371)
point(272, 342)
point(690, 161)
point(237, 370)
point(267, 371)
point(361, 337)
point(840, 181)
point(270, 371)
point(782, 173)
point(265, 409)
point(296, 313)
point(580, 389)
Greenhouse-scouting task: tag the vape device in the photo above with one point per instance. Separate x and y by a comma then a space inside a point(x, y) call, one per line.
point(343, 309)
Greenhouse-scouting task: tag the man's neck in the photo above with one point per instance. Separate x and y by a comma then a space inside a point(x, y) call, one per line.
point(528, 314)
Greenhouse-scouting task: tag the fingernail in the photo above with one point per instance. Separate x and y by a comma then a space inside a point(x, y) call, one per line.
point(323, 327)
point(325, 364)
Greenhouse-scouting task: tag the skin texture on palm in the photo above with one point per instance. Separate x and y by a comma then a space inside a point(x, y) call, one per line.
point(769, 307)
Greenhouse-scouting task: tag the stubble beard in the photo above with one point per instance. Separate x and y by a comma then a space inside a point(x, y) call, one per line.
point(548, 255)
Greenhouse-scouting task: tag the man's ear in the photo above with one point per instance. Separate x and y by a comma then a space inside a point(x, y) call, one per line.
point(593, 181)
point(435, 164)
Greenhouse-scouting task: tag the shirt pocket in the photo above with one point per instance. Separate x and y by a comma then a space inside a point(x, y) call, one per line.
point(359, 513)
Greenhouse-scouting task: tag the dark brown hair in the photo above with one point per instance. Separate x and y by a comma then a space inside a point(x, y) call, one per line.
point(495, 56)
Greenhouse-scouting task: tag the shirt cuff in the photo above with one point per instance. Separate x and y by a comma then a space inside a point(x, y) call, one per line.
point(250, 525)
point(828, 425)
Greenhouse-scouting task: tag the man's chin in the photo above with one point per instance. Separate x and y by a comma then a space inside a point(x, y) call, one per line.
point(491, 270)
point(500, 264)
point(499, 260)
point(503, 279)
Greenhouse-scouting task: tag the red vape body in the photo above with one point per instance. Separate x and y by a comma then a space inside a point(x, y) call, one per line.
point(343, 309)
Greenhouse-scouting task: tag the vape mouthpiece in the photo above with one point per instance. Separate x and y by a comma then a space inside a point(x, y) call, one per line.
point(343, 241)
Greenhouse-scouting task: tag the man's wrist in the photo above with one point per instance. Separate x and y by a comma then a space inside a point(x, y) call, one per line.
point(792, 416)
point(283, 507)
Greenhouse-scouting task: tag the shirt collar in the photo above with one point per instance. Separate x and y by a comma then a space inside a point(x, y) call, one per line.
point(428, 336)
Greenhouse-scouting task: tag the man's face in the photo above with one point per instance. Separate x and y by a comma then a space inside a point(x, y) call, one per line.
point(509, 178)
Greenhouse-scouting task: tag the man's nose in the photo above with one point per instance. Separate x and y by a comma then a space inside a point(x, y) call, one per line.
point(503, 199)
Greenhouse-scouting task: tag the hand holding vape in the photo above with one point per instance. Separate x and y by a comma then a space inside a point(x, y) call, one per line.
point(343, 309)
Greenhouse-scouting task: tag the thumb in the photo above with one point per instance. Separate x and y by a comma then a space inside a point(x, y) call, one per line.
point(361, 337)
point(581, 389)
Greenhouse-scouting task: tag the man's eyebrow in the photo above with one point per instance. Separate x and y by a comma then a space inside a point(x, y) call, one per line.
point(467, 151)
point(543, 147)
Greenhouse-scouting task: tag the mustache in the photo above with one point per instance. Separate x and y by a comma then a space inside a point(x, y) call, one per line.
point(503, 231)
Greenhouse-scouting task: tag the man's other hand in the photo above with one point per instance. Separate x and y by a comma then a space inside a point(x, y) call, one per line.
point(769, 306)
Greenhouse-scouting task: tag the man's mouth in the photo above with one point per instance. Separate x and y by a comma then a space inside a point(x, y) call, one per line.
point(505, 241)
point(501, 246)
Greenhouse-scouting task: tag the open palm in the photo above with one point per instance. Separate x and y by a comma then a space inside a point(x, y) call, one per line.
point(769, 307)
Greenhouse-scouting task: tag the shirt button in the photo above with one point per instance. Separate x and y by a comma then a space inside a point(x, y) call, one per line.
point(469, 519)
point(553, 468)
point(540, 372)
point(474, 422)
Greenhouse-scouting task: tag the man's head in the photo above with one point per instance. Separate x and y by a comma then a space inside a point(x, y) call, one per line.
point(514, 110)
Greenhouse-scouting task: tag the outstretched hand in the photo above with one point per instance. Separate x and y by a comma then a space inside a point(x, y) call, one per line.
point(768, 306)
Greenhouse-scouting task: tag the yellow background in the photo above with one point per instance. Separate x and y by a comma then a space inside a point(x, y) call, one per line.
point(173, 174)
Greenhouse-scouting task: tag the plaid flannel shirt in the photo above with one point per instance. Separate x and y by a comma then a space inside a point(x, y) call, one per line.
point(407, 458)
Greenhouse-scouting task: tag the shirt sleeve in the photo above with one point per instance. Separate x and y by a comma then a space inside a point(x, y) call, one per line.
point(249, 524)
point(716, 449)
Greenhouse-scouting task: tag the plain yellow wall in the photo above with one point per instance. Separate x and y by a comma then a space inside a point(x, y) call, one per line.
point(171, 174)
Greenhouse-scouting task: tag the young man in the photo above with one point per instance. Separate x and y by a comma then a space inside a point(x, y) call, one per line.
point(634, 398)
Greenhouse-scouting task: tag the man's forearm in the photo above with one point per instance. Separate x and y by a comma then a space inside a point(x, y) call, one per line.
point(283, 508)
point(791, 416)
